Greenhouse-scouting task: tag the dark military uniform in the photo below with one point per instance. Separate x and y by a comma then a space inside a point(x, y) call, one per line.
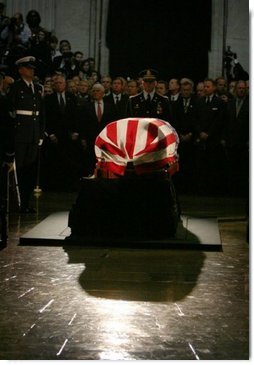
point(158, 107)
point(149, 104)
point(26, 106)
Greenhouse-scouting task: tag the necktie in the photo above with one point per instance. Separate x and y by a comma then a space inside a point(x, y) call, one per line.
point(31, 88)
point(238, 106)
point(207, 100)
point(99, 112)
point(62, 103)
point(185, 105)
point(117, 99)
point(148, 99)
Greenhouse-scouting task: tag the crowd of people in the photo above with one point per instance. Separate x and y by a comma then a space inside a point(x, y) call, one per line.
point(59, 101)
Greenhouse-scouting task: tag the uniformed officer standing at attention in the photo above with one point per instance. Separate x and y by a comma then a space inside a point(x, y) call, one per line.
point(26, 107)
point(148, 103)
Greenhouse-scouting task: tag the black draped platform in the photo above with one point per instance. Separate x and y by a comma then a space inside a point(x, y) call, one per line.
point(125, 213)
point(134, 208)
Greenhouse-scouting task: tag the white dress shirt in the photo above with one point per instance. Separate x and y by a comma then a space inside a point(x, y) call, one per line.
point(151, 94)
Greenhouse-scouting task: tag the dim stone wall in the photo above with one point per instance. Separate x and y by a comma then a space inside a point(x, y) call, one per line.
point(78, 21)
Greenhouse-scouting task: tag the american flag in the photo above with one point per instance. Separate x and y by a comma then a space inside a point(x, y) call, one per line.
point(149, 143)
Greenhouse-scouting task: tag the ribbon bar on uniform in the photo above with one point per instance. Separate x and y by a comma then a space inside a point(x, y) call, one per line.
point(27, 112)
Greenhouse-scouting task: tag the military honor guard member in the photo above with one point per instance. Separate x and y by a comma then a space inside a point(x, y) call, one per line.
point(26, 107)
point(149, 103)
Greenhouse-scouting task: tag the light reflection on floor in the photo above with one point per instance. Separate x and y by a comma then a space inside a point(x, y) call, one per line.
point(116, 323)
point(104, 304)
point(112, 355)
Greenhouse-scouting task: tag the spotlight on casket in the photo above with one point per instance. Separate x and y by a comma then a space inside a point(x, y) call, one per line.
point(131, 196)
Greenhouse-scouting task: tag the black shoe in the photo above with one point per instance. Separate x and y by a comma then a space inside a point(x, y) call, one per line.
point(27, 211)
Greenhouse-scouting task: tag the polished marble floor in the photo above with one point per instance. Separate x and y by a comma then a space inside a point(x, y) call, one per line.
point(78, 303)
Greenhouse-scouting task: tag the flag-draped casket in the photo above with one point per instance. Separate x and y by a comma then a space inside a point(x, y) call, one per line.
point(149, 144)
point(115, 205)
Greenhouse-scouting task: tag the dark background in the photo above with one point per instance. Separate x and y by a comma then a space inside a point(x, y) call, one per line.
point(170, 36)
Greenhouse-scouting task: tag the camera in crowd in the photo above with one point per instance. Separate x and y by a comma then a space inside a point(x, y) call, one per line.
point(229, 56)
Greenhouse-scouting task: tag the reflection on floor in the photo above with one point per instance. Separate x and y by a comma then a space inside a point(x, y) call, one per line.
point(97, 303)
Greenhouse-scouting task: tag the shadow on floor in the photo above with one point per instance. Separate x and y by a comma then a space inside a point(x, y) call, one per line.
point(136, 274)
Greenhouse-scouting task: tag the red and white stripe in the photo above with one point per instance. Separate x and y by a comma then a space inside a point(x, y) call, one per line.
point(148, 143)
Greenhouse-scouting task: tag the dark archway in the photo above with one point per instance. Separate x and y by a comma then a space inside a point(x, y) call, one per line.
point(171, 36)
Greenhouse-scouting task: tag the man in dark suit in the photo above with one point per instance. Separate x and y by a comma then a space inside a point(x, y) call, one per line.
point(210, 153)
point(26, 106)
point(236, 140)
point(63, 145)
point(184, 120)
point(173, 90)
point(148, 103)
point(93, 118)
point(118, 99)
